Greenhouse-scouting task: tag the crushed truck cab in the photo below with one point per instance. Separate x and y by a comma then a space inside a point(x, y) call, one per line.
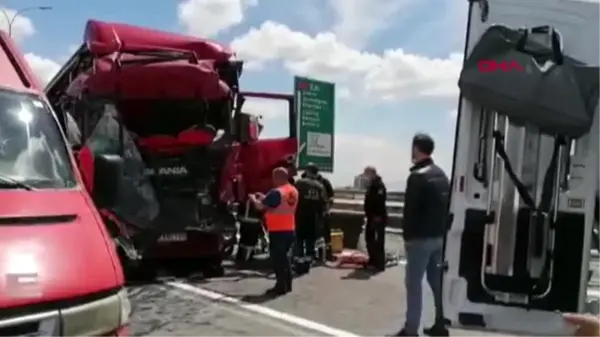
point(171, 107)
point(60, 270)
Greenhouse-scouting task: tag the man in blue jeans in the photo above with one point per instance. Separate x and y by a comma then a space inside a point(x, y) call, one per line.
point(424, 226)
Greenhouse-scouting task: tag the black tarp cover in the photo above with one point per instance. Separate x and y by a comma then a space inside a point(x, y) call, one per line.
point(136, 203)
point(553, 92)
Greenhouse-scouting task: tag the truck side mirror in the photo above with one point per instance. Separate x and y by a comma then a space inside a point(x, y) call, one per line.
point(108, 170)
point(247, 128)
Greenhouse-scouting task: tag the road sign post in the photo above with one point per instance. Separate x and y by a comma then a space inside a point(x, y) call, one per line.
point(315, 108)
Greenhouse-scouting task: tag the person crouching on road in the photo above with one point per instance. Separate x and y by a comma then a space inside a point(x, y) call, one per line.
point(309, 217)
point(280, 209)
point(376, 213)
point(424, 226)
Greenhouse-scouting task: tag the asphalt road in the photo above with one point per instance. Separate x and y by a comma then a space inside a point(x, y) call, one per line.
point(327, 301)
point(161, 310)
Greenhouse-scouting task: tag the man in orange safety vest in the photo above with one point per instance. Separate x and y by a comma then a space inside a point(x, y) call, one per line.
point(279, 205)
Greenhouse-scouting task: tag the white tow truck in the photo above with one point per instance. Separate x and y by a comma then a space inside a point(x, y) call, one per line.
point(492, 252)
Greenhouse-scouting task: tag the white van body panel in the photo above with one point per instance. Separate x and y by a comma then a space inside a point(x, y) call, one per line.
point(578, 23)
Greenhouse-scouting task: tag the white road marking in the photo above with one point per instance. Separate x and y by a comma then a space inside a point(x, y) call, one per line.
point(393, 230)
point(293, 330)
point(262, 310)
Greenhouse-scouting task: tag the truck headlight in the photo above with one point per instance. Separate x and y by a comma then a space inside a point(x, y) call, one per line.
point(98, 317)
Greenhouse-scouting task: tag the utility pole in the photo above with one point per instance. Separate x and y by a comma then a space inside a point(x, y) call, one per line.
point(11, 20)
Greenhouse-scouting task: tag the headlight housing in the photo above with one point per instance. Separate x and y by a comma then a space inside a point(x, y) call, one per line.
point(97, 317)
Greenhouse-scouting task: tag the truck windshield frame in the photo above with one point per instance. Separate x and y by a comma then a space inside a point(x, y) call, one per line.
point(33, 150)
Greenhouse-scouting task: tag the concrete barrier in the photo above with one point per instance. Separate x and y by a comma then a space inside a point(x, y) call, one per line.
point(355, 194)
point(347, 213)
point(351, 225)
point(351, 200)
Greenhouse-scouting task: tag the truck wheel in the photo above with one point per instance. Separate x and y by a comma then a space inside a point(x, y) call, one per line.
point(133, 270)
point(214, 268)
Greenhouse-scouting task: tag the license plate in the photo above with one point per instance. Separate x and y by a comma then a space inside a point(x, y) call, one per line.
point(173, 237)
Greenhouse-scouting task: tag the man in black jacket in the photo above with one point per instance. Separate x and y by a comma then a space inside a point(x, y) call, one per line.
point(424, 226)
point(376, 214)
point(309, 215)
point(326, 220)
point(329, 194)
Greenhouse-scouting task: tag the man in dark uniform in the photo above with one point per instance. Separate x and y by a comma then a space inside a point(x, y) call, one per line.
point(309, 215)
point(329, 194)
point(424, 226)
point(376, 213)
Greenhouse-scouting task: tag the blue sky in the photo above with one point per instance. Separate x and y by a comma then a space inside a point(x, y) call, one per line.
point(394, 62)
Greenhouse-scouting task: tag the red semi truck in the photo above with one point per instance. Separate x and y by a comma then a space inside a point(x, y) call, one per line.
point(170, 106)
point(60, 272)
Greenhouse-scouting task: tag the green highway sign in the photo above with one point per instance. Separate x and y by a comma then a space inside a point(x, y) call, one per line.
point(315, 108)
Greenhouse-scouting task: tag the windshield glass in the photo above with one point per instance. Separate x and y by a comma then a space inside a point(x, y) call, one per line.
point(32, 150)
point(170, 117)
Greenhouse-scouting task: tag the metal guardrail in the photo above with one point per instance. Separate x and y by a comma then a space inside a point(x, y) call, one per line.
point(355, 194)
point(351, 200)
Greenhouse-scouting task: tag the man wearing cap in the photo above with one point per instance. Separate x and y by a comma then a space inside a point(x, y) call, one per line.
point(309, 216)
point(280, 210)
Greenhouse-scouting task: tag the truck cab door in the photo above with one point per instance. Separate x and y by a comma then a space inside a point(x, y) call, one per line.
point(258, 157)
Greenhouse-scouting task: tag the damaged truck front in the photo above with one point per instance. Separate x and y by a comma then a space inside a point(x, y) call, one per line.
point(171, 108)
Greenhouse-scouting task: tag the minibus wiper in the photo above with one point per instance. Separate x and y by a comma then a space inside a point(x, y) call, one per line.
point(8, 182)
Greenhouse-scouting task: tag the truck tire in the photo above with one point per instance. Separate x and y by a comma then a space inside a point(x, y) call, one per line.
point(214, 267)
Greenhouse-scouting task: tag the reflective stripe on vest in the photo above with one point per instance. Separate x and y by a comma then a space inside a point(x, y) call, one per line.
point(282, 218)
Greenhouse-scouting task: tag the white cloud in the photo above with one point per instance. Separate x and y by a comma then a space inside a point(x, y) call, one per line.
point(266, 108)
point(209, 17)
point(358, 20)
point(21, 26)
point(391, 158)
point(441, 29)
point(392, 75)
point(44, 68)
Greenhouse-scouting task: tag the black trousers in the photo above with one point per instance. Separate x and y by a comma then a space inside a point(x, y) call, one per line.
point(280, 246)
point(306, 235)
point(327, 230)
point(375, 239)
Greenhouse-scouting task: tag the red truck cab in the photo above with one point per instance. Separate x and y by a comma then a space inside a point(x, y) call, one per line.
point(59, 271)
point(171, 106)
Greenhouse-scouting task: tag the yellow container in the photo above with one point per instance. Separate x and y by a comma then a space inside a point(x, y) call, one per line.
point(337, 241)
